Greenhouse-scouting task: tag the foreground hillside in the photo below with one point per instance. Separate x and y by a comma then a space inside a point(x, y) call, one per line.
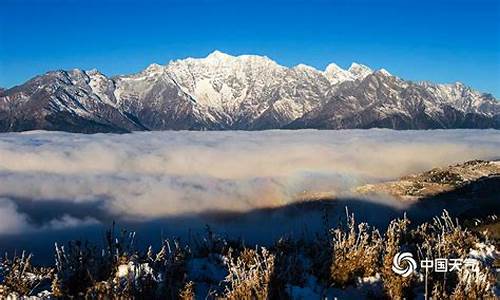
point(352, 261)
point(247, 92)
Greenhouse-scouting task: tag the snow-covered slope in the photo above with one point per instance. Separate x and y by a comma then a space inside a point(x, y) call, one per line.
point(248, 92)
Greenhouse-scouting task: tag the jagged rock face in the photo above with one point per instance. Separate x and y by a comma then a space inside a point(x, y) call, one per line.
point(382, 100)
point(63, 101)
point(247, 92)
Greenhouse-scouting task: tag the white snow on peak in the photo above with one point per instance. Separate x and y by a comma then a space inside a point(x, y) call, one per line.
point(99, 85)
point(359, 71)
point(76, 70)
point(461, 97)
point(305, 68)
point(155, 68)
point(222, 82)
point(92, 72)
point(333, 67)
point(219, 56)
point(218, 59)
point(384, 72)
point(336, 74)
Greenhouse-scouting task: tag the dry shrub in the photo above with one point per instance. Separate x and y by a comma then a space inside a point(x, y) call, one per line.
point(153, 275)
point(82, 266)
point(395, 286)
point(320, 254)
point(119, 271)
point(211, 244)
point(169, 265)
point(187, 292)
point(78, 267)
point(250, 274)
point(356, 252)
point(444, 238)
point(20, 277)
point(290, 266)
point(439, 291)
point(100, 290)
point(473, 285)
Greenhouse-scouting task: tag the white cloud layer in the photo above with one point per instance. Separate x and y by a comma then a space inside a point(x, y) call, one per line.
point(12, 221)
point(147, 175)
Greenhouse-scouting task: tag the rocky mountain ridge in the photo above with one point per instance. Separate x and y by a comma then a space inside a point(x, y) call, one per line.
point(246, 92)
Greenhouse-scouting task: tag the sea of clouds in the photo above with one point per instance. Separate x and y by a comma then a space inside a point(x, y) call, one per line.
point(53, 180)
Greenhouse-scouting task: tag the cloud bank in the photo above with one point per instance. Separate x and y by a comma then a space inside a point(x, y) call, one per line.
point(53, 180)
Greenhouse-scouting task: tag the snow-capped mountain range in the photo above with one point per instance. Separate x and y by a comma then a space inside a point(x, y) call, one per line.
point(245, 92)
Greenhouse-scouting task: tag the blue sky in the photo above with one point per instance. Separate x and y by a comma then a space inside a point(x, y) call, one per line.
point(440, 40)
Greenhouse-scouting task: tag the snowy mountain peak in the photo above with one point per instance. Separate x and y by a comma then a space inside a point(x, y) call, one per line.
point(336, 74)
point(154, 68)
point(76, 72)
point(356, 66)
point(93, 72)
point(218, 59)
point(305, 67)
point(334, 68)
point(218, 55)
point(384, 72)
point(359, 71)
